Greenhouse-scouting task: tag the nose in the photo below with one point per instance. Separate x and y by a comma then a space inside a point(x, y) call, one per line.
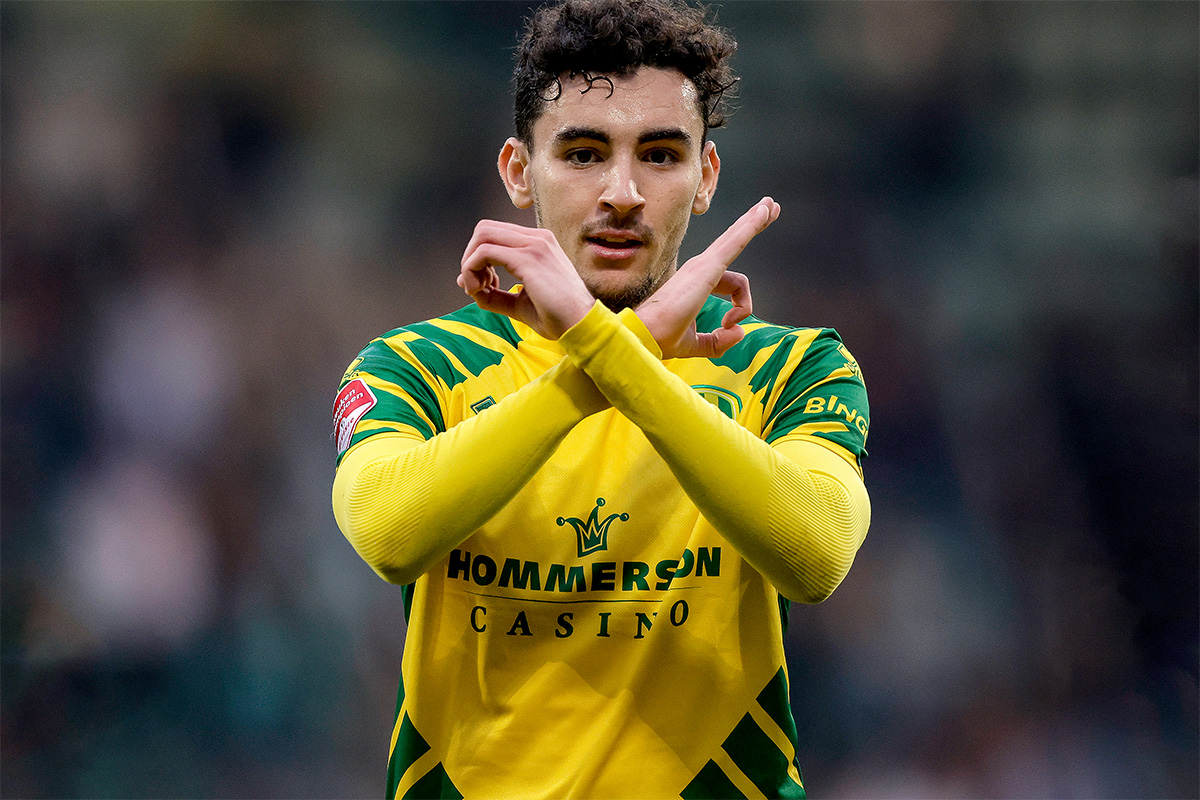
point(620, 193)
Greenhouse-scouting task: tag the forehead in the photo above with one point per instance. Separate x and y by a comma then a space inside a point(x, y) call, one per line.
point(649, 99)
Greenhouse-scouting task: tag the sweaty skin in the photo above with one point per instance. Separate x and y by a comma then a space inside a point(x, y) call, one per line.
point(616, 177)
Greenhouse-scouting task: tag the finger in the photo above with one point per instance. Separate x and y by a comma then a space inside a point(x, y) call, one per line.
point(773, 207)
point(736, 287)
point(485, 235)
point(506, 234)
point(472, 281)
point(756, 220)
point(498, 301)
point(482, 260)
point(725, 338)
point(491, 230)
point(475, 280)
point(714, 344)
point(513, 248)
point(730, 244)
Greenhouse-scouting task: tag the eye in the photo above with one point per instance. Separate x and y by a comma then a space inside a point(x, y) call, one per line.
point(582, 157)
point(661, 156)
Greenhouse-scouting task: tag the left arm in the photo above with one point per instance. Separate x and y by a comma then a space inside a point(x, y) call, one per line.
point(795, 511)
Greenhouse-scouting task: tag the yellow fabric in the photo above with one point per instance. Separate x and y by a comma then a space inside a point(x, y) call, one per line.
point(628, 682)
point(796, 512)
point(385, 490)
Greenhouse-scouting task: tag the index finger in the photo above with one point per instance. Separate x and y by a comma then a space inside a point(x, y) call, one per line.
point(736, 286)
point(730, 244)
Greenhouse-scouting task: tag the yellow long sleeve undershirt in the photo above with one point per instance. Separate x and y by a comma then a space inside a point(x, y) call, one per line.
point(404, 502)
point(795, 510)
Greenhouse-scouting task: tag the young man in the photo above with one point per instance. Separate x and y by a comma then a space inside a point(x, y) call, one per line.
point(598, 490)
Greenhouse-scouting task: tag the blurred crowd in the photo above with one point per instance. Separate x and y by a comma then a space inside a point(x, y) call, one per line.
point(209, 208)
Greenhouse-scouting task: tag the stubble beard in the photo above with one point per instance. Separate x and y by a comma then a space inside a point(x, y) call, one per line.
point(629, 296)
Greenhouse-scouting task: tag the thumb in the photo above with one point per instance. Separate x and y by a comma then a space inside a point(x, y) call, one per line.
point(716, 343)
point(497, 301)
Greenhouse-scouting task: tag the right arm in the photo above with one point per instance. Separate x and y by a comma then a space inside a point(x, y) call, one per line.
point(405, 502)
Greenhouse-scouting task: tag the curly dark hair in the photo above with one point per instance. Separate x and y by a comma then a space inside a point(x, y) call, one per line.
point(595, 38)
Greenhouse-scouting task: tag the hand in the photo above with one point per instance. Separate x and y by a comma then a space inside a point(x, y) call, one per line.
point(670, 313)
point(552, 296)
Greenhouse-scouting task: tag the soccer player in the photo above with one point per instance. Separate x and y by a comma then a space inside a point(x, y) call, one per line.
point(601, 489)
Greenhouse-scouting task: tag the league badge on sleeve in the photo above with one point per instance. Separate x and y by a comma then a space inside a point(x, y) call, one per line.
point(353, 401)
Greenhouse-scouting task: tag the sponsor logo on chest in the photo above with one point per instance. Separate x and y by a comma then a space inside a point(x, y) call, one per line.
point(634, 585)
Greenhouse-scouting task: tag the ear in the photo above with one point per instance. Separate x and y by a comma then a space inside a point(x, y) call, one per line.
point(514, 171)
point(710, 169)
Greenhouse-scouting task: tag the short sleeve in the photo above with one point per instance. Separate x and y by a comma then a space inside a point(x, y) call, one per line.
point(387, 388)
point(824, 396)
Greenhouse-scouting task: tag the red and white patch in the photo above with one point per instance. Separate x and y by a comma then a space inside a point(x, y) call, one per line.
point(353, 401)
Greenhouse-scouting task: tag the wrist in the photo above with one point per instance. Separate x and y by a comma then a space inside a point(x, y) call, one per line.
point(574, 313)
point(563, 312)
point(631, 320)
point(586, 329)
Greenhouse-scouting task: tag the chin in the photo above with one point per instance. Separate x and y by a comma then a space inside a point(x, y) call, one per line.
point(618, 295)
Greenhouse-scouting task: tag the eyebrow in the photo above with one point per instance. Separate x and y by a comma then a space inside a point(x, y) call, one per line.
point(665, 134)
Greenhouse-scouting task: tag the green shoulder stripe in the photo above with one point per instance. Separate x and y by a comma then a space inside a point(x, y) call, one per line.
point(412, 369)
point(766, 375)
point(823, 358)
point(381, 359)
point(475, 357)
point(739, 357)
point(423, 394)
point(391, 409)
point(714, 308)
point(432, 358)
point(825, 396)
point(495, 324)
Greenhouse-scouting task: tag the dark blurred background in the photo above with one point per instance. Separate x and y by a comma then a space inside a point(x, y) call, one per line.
point(208, 208)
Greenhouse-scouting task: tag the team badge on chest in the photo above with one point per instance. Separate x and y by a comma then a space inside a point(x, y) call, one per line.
point(592, 534)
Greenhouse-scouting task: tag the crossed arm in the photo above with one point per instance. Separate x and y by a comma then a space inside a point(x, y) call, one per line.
point(796, 510)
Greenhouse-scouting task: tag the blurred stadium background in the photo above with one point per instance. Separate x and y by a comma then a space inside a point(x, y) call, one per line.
point(208, 208)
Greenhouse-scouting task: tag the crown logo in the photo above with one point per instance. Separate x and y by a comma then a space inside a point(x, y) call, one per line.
point(592, 534)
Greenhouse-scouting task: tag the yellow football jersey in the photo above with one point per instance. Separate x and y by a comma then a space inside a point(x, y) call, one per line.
point(596, 637)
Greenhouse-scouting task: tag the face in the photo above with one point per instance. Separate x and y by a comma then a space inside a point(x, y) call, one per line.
point(615, 177)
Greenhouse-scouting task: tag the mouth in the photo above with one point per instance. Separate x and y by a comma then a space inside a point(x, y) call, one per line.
point(614, 244)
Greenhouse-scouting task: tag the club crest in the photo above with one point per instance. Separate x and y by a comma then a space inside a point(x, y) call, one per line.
point(592, 534)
